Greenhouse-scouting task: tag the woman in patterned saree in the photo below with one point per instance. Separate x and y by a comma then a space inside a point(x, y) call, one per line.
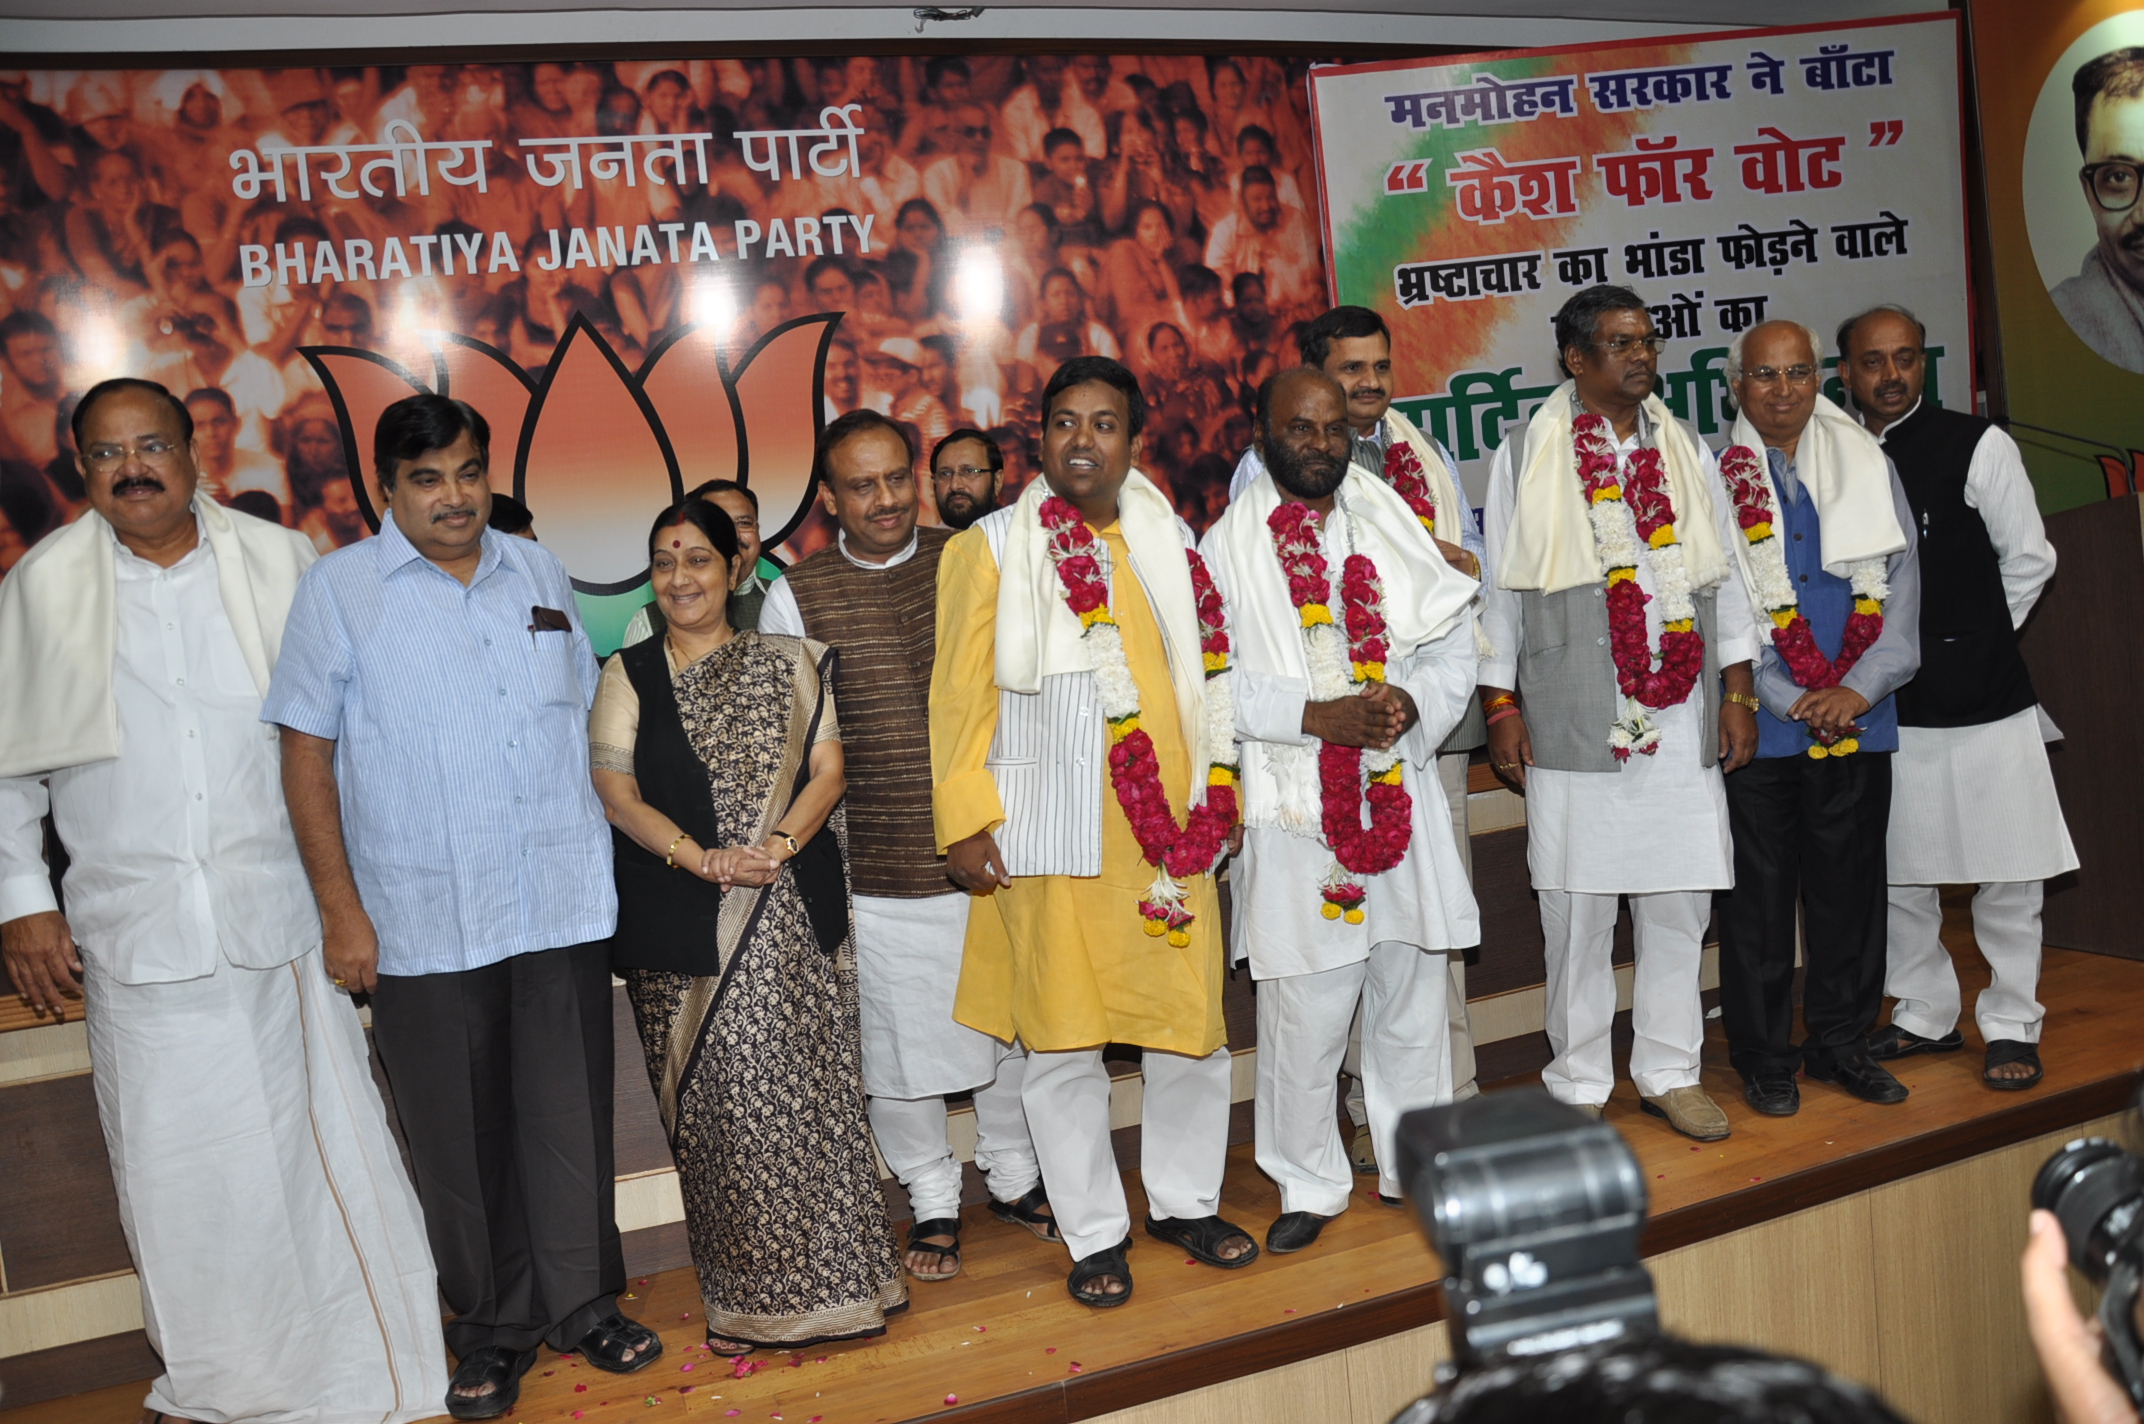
point(718, 759)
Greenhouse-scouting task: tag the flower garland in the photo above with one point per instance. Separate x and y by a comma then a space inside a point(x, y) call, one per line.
point(1742, 471)
point(1134, 768)
point(1403, 471)
point(1347, 776)
point(1634, 517)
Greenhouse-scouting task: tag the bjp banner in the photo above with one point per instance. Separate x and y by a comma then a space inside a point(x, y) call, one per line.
point(1804, 174)
point(646, 275)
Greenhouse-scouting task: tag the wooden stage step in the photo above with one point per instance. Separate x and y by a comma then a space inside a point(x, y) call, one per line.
point(1002, 1343)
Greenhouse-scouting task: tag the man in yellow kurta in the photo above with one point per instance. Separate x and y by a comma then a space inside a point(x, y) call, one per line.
point(1059, 955)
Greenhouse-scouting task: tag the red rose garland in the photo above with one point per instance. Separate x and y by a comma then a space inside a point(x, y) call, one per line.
point(1134, 768)
point(1643, 490)
point(1359, 849)
point(1403, 471)
point(1742, 471)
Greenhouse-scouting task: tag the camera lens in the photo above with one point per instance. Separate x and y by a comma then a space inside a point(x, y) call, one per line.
point(2096, 1190)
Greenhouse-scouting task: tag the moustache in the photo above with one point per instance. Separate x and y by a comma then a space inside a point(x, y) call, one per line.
point(450, 513)
point(1890, 390)
point(885, 512)
point(147, 483)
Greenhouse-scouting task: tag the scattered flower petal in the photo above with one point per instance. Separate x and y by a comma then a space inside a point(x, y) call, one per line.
point(685, 1369)
point(952, 1399)
point(1051, 1350)
point(580, 1389)
point(1073, 1367)
point(731, 1413)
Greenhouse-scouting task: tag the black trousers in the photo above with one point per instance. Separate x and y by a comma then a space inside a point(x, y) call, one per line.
point(502, 1079)
point(1813, 831)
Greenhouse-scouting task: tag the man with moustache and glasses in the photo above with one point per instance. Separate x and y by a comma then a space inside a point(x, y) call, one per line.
point(967, 474)
point(433, 695)
point(1970, 732)
point(1077, 942)
point(873, 598)
point(1297, 703)
point(2104, 302)
point(282, 1260)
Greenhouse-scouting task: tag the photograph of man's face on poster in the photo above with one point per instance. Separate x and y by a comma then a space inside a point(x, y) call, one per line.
point(2083, 176)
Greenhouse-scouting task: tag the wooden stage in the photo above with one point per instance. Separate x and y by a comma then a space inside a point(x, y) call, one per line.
point(1881, 1241)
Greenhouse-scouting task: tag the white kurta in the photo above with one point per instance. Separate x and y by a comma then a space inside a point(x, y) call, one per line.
point(1944, 780)
point(282, 1257)
point(908, 956)
point(1658, 823)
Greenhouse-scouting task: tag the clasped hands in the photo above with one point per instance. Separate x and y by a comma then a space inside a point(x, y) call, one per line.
point(749, 865)
point(1829, 710)
point(1376, 717)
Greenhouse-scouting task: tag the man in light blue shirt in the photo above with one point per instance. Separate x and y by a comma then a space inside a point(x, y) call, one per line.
point(433, 692)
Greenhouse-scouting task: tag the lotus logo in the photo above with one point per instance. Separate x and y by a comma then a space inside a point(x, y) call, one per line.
point(595, 450)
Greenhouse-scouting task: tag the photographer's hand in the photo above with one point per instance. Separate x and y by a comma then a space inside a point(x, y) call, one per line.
point(2067, 1343)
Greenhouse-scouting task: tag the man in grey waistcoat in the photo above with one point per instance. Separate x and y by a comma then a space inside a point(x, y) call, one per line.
point(1618, 691)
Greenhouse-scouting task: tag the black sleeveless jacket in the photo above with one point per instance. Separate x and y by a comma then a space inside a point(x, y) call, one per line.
point(1971, 671)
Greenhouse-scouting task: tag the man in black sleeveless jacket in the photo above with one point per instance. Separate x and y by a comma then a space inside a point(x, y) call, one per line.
point(1971, 738)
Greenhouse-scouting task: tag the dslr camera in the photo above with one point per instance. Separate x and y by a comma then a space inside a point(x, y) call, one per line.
point(1535, 1209)
point(2095, 1188)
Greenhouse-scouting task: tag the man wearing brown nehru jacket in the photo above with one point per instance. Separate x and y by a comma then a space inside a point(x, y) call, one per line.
point(874, 598)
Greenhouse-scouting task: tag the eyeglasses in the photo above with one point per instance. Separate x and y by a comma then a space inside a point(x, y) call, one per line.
point(1773, 375)
point(2113, 186)
point(152, 451)
point(962, 472)
point(1626, 347)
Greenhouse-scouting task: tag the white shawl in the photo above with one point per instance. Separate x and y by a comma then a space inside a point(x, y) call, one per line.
point(1843, 470)
point(1443, 489)
point(1425, 597)
point(1550, 545)
point(59, 630)
point(1039, 636)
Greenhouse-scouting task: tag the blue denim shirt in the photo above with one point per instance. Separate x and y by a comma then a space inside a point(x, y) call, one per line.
point(461, 731)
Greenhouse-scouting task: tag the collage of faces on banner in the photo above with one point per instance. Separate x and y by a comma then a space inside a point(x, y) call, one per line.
point(977, 222)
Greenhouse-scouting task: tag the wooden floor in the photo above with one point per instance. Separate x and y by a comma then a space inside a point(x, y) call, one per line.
point(1003, 1342)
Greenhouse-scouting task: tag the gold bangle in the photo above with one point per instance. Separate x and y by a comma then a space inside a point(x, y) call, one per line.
point(670, 855)
point(1744, 699)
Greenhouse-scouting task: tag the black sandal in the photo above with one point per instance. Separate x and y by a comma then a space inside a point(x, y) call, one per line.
point(1891, 1041)
point(2003, 1051)
point(604, 1346)
point(1026, 1211)
point(496, 1366)
point(1091, 1268)
point(1203, 1237)
point(937, 1226)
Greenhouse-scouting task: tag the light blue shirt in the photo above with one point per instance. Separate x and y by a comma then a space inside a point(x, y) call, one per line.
point(461, 748)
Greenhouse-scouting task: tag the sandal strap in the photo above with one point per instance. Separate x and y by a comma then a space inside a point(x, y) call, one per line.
point(1107, 1262)
point(936, 1226)
point(1203, 1237)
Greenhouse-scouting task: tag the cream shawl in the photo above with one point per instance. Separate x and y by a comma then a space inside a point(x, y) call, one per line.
point(1843, 470)
point(1550, 546)
point(1443, 489)
point(1039, 636)
point(59, 630)
point(1425, 597)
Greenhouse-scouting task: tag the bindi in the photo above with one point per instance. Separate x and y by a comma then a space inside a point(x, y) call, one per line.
point(677, 543)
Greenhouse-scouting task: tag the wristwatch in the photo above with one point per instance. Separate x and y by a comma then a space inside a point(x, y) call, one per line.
point(1744, 699)
point(790, 839)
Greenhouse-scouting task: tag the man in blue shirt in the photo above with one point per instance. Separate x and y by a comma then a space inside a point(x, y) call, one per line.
point(1825, 548)
point(433, 692)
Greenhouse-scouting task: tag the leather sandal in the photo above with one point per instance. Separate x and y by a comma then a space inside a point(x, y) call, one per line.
point(936, 1226)
point(1203, 1237)
point(496, 1366)
point(605, 1344)
point(2004, 1051)
point(1088, 1269)
point(1027, 1212)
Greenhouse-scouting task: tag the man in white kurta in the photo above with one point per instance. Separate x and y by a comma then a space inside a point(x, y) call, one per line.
point(1315, 968)
point(1654, 826)
point(283, 1265)
point(1971, 734)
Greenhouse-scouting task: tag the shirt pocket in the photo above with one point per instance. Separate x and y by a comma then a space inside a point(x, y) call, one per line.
point(554, 670)
point(227, 670)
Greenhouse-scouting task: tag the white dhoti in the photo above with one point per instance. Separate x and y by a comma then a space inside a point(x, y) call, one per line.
point(284, 1273)
point(908, 955)
point(1302, 1035)
point(1972, 806)
point(1183, 1140)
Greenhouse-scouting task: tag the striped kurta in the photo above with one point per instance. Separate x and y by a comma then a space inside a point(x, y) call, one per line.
point(1063, 961)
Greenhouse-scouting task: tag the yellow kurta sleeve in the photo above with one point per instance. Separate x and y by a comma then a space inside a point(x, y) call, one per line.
point(964, 694)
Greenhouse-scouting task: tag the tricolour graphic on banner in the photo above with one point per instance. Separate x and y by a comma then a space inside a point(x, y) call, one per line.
point(1802, 174)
